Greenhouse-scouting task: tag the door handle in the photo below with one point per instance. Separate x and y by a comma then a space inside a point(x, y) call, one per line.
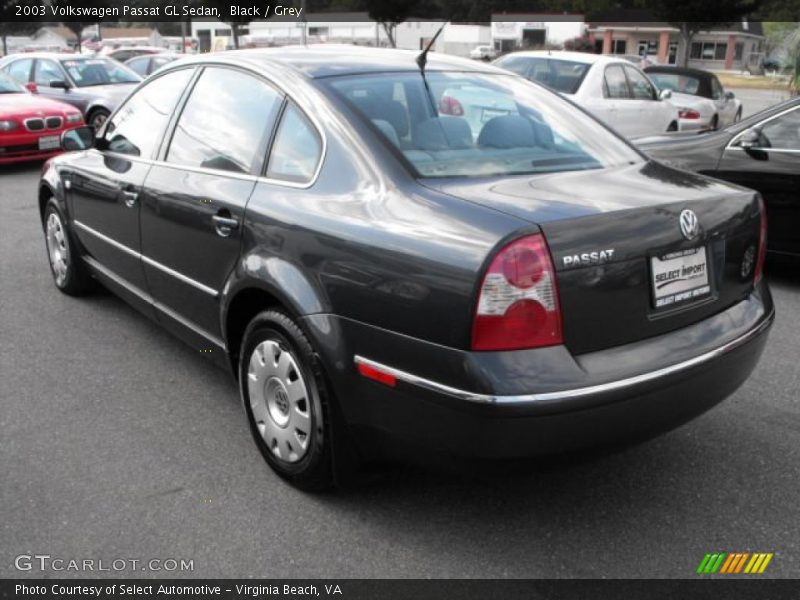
point(130, 198)
point(225, 224)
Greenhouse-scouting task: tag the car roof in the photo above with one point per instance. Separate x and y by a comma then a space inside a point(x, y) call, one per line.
point(699, 73)
point(327, 60)
point(581, 57)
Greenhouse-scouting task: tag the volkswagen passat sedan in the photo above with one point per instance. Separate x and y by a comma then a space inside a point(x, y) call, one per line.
point(379, 275)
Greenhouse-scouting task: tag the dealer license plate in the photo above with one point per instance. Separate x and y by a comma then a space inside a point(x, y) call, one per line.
point(679, 276)
point(49, 142)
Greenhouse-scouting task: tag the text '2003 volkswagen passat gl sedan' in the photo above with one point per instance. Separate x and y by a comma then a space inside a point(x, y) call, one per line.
point(384, 266)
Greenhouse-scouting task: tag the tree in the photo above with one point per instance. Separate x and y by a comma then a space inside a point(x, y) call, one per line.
point(8, 28)
point(390, 13)
point(701, 16)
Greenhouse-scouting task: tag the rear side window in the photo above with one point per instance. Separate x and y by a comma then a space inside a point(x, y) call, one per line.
point(515, 64)
point(226, 122)
point(616, 83)
point(139, 65)
point(136, 128)
point(20, 70)
point(297, 148)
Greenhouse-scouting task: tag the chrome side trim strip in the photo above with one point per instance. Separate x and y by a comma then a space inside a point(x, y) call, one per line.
point(145, 297)
point(575, 392)
point(200, 286)
point(107, 239)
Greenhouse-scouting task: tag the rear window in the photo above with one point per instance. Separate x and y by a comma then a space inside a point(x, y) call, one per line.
point(683, 84)
point(464, 124)
point(564, 76)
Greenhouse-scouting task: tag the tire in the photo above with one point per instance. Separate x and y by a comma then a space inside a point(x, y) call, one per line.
point(70, 274)
point(738, 116)
point(714, 122)
point(97, 117)
point(286, 400)
point(672, 127)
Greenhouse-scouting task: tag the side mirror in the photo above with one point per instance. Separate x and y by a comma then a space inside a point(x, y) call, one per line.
point(753, 143)
point(730, 95)
point(665, 94)
point(59, 84)
point(80, 138)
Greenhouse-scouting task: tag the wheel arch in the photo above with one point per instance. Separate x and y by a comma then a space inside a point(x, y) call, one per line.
point(260, 283)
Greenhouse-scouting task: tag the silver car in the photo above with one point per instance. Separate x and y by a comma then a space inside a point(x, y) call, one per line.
point(95, 85)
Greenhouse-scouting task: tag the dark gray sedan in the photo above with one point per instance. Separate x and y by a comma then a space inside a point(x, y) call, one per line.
point(95, 85)
point(385, 263)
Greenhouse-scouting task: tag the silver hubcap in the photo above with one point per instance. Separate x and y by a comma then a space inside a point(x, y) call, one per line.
point(57, 248)
point(279, 401)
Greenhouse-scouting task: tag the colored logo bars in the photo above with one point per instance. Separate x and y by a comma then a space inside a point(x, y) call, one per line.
point(734, 562)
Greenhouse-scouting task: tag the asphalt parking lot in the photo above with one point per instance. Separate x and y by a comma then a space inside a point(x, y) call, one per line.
point(119, 442)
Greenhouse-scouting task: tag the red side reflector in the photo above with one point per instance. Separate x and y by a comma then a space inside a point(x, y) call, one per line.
point(377, 375)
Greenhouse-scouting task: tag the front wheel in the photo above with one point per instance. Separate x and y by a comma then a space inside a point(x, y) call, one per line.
point(285, 398)
point(97, 117)
point(69, 273)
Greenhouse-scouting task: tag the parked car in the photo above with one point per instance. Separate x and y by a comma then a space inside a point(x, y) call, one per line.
point(146, 64)
point(125, 53)
point(375, 279)
point(611, 88)
point(701, 100)
point(640, 60)
point(761, 152)
point(31, 127)
point(483, 53)
point(95, 85)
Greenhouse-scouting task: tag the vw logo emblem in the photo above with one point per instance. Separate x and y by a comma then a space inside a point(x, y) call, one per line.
point(690, 226)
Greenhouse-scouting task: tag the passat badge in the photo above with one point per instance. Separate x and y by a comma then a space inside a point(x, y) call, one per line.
point(585, 259)
point(690, 226)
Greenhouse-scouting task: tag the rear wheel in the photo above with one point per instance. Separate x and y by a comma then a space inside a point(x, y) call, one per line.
point(69, 273)
point(714, 122)
point(286, 401)
point(673, 126)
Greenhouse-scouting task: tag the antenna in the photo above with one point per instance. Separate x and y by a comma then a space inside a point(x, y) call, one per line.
point(422, 59)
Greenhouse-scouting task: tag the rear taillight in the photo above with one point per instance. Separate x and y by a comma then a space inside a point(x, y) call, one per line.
point(518, 302)
point(762, 243)
point(688, 113)
point(450, 106)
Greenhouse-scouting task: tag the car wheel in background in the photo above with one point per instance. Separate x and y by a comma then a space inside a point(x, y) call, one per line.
point(286, 401)
point(738, 116)
point(97, 117)
point(714, 122)
point(69, 273)
point(673, 126)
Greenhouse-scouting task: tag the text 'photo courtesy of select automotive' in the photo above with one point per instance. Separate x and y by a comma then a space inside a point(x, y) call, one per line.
point(399, 299)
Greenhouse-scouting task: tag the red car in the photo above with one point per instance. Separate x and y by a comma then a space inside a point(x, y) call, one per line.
point(31, 126)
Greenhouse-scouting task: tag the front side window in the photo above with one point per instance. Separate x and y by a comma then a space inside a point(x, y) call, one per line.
point(675, 82)
point(468, 124)
point(226, 122)
point(616, 82)
point(87, 72)
point(136, 128)
point(47, 71)
point(516, 64)
point(641, 87)
point(296, 150)
point(782, 132)
point(716, 89)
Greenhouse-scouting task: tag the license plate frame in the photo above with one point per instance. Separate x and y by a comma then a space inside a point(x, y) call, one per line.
point(680, 277)
point(50, 142)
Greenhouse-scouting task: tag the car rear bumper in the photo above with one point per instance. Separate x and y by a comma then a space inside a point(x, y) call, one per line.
point(623, 393)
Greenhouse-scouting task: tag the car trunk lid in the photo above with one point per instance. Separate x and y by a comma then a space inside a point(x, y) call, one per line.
point(625, 269)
